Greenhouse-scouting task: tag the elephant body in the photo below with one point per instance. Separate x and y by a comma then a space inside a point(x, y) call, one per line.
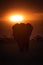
point(21, 33)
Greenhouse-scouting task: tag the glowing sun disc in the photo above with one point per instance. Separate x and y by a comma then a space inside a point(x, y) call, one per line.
point(16, 18)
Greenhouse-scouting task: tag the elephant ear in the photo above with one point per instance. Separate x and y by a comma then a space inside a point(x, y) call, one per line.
point(15, 28)
point(29, 28)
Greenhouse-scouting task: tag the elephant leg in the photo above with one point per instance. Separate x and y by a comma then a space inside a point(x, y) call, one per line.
point(20, 47)
point(26, 46)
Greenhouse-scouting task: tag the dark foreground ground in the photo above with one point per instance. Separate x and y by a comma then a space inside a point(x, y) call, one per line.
point(21, 59)
point(10, 54)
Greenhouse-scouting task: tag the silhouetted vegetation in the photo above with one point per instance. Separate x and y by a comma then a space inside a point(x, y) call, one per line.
point(37, 45)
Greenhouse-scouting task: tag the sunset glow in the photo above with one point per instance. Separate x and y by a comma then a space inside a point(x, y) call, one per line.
point(16, 18)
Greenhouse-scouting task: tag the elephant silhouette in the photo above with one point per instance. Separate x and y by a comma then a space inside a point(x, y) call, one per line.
point(22, 33)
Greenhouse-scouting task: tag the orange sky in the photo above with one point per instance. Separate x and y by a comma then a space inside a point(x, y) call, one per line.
point(27, 15)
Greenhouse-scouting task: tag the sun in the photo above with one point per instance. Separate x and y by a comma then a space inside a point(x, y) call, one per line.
point(16, 18)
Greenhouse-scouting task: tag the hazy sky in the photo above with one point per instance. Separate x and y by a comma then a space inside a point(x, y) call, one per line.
point(21, 6)
point(34, 4)
point(35, 7)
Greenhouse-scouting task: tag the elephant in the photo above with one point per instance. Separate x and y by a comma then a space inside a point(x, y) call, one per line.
point(22, 33)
